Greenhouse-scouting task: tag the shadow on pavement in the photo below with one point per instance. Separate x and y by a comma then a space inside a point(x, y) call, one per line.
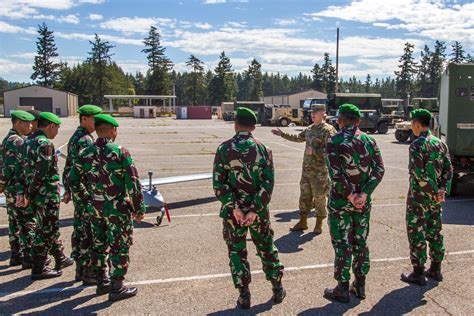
point(289, 216)
point(401, 301)
point(458, 212)
point(257, 309)
point(194, 202)
point(18, 284)
point(292, 241)
point(333, 308)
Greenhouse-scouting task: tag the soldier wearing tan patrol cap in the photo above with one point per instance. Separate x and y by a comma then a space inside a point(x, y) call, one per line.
point(314, 187)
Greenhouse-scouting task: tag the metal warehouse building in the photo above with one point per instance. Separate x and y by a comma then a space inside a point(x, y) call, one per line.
point(59, 102)
point(293, 98)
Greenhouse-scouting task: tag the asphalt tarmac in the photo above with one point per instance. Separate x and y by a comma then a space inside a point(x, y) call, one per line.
point(182, 267)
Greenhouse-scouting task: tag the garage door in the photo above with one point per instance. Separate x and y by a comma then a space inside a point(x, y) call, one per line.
point(40, 104)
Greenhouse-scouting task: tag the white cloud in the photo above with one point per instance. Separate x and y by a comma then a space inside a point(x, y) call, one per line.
point(90, 37)
point(95, 17)
point(432, 19)
point(26, 9)
point(285, 22)
point(9, 28)
point(136, 25)
point(214, 1)
point(235, 24)
point(71, 18)
point(132, 67)
point(204, 26)
point(15, 71)
point(24, 55)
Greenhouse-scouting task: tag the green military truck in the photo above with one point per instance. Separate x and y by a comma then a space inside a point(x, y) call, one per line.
point(456, 119)
point(228, 109)
point(403, 131)
point(370, 104)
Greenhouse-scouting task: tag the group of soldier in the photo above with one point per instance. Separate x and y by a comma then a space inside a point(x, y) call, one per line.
point(341, 170)
point(99, 177)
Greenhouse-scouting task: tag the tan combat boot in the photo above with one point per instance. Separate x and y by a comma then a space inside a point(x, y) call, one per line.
point(318, 229)
point(301, 225)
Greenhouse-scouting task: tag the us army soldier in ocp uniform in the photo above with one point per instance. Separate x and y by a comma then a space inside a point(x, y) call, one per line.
point(115, 194)
point(20, 225)
point(243, 182)
point(81, 237)
point(355, 168)
point(431, 174)
point(314, 183)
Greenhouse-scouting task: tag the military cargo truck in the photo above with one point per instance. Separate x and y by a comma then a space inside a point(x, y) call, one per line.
point(228, 109)
point(456, 119)
point(403, 127)
point(281, 115)
point(370, 104)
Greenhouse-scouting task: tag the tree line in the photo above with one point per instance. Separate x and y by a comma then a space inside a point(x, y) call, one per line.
point(98, 74)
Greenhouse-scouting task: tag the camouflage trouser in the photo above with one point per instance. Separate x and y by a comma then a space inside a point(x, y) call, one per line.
point(47, 232)
point(21, 226)
point(262, 236)
point(349, 231)
point(424, 225)
point(314, 189)
point(112, 227)
point(81, 238)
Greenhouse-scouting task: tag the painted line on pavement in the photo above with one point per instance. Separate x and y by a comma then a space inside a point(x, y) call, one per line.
point(5, 295)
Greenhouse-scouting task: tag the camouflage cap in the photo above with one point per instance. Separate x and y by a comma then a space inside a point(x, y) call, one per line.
point(420, 113)
point(22, 115)
point(106, 118)
point(245, 112)
point(349, 108)
point(317, 107)
point(53, 118)
point(35, 113)
point(89, 109)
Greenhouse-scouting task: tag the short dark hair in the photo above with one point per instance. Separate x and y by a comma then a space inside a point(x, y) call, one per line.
point(423, 120)
point(14, 119)
point(35, 113)
point(43, 123)
point(101, 125)
point(245, 121)
point(349, 118)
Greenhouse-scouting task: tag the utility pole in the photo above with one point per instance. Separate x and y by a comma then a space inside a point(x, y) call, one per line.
point(337, 60)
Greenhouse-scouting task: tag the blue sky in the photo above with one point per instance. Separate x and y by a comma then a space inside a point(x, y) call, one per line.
point(285, 36)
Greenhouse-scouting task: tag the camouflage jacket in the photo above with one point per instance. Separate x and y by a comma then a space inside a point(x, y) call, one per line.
point(429, 166)
point(316, 137)
point(12, 147)
point(243, 175)
point(354, 163)
point(80, 140)
point(40, 166)
point(110, 175)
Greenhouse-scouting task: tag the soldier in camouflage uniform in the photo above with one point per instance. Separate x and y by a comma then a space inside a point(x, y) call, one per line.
point(20, 225)
point(34, 123)
point(431, 174)
point(355, 169)
point(115, 194)
point(81, 238)
point(42, 196)
point(243, 182)
point(314, 186)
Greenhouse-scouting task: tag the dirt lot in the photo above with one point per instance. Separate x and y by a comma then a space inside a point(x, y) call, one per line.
point(182, 267)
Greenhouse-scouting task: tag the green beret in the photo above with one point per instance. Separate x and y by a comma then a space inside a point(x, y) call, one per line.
point(89, 109)
point(53, 118)
point(349, 108)
point(22, 115)
point(420, 113)
point(317, 108)
point(107, 119)
point(245, 112)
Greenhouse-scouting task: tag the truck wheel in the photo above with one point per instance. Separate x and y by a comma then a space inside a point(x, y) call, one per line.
point(382, 128)
point(284, 122)
point(401, 136)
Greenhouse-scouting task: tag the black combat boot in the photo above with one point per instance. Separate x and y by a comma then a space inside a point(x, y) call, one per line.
point(103, 283)
point(79, 272)
point(15, 259)
point(339, 293)
point(118, 291)
point(279, 292)
point(40, 271)
point(415, 277)
point(62, 261)
point(27, 262)
point(89, 276)
point(243, 301)
point(434, 272)
point(358, 287)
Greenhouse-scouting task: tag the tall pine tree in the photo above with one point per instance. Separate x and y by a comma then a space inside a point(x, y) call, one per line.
point(318, 77)
point(424, 79)
point(197, 79)
point(45, 69)
point(254, 74)
point(329, 73)
point(438, 59)
point(457, 53)
point(407, 72)
point(222, 87)
point(100, 58)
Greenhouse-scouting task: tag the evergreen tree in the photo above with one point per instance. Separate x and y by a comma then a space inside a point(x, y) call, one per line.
point(436, 68)
point(222, 87)
point(318, 77)
point(408, 70)
point(368, 84)
point(99, 58)
point(329, 73)
point(457, 53)
point(158, 80)
point(424, 79)
point(45, 69)
point(254, 75)
point(197, 79)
